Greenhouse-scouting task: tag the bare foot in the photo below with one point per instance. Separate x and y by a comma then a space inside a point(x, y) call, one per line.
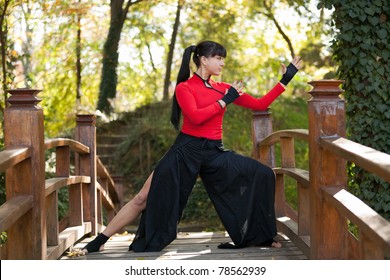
point(270, 243)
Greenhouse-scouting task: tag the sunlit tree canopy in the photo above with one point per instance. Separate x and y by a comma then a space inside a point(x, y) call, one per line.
point(58, 46)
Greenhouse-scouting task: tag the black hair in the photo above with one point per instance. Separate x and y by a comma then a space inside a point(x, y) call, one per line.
point(206, 49)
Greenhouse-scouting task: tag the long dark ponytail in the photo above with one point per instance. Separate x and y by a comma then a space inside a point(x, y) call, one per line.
point(205, 48)
point(184, 74)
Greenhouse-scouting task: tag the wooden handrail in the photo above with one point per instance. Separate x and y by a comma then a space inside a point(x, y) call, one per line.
point(300, 175)
point(302, 134)
point(375, 226)
point(55, 184)
point(13, 209)
point(371, 225)
point(74, 145)
point(102, 171)
point(105, 176)
point(11, 157)
point(367, 158)
point(107, 201)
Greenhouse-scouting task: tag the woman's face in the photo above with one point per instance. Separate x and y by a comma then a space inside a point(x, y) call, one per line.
point(214, 64)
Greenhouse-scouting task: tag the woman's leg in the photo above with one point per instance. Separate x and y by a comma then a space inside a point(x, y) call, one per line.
point(127, 214)
point(242, 191)
point(130, 211)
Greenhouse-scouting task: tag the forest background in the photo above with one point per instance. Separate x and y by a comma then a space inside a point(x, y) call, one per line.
point(119, 59)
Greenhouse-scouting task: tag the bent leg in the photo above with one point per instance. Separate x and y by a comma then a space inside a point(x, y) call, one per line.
point(127, 214)
point(242, 191)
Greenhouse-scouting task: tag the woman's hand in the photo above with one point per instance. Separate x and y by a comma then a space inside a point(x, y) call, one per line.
point(297, 62)
point(239, 86)
point(290, 71)
point(231, 94)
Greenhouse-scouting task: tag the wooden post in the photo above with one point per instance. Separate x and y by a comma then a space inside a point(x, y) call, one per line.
point(326, 118)
point(86, 165)
point(261, 128)
point(23, 127)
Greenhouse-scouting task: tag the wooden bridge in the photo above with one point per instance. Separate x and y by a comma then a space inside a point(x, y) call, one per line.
point(319, 229)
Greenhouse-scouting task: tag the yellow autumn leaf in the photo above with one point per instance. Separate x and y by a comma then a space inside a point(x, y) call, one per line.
point(75, 253)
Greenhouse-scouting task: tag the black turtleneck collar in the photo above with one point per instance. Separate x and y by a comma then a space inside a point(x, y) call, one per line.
point(205, 82)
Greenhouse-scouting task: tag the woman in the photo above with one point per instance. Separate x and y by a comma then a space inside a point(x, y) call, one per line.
point(240, 188)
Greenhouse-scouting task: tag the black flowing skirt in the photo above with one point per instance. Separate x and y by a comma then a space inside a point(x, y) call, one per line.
point(241, 189)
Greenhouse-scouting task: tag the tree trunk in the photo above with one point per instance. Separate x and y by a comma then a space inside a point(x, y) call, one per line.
point(271, 16)
point(26, 59)
point(109, 78)
point(78, 60)
point(167, 79)
point(3, 41)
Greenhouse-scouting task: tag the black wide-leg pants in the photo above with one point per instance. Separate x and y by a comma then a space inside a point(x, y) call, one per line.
point(241, 189)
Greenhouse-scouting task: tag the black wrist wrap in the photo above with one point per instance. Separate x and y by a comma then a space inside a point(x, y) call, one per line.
point(230, 96)
point(290, 72)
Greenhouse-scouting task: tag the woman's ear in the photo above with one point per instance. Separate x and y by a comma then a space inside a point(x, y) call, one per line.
point(203, 60)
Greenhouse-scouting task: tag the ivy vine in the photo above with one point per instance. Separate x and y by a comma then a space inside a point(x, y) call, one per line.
point(362, 51)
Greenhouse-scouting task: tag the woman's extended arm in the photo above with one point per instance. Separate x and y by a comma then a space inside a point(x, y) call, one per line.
point(262, 103)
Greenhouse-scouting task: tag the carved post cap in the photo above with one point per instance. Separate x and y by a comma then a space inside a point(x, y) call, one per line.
point(326, 88)
point(86, 120)
point(266, 112)
point(23, 98)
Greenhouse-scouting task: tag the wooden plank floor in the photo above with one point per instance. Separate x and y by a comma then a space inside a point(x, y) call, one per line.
point(191, 246)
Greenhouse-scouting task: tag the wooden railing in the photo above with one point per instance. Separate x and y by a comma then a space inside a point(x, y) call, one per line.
point(30, 214)
point(320, 225)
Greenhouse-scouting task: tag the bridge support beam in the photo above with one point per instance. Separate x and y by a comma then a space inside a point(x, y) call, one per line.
point(326, 119)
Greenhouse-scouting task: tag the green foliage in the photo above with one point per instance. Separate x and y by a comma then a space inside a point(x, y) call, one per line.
point(63, 203)
point(149, 135)
point(45, 37)
point(3, 238)
point(3, 235)
point(362, 51)
point(2, 177)
point(2, 188)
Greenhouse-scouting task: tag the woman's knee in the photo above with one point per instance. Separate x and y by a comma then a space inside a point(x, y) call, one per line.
point(267, 171)
point(140, 201)
point(271, 173)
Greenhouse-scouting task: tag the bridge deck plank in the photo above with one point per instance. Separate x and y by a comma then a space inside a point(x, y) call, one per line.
point(191, 246)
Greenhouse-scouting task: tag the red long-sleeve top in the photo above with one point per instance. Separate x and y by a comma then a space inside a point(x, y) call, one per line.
point(202, 114)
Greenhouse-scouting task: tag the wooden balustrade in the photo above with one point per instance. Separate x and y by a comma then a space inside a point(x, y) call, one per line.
point(30, 213)
point(320, 225)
